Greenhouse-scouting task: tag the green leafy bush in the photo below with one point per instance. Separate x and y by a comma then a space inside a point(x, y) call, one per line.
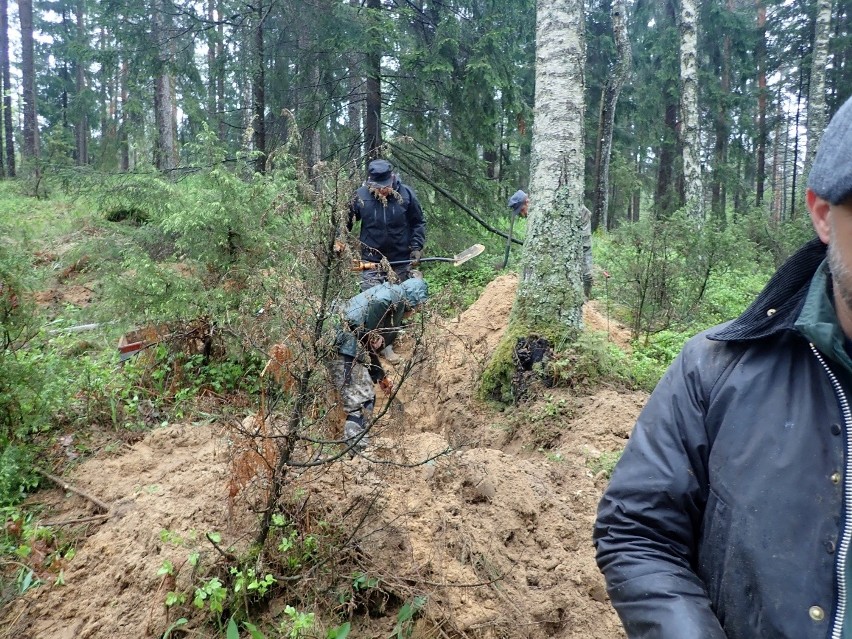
point(16, 474)
point(457, 286)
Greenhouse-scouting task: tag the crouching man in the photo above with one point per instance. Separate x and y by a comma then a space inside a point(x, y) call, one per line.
point(370, 322)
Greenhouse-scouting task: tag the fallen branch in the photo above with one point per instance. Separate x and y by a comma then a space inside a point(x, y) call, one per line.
point(71, 489)
point(74, 329)
point(71, 522)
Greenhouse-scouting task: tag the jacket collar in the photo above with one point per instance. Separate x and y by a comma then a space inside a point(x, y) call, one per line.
point(778, 306)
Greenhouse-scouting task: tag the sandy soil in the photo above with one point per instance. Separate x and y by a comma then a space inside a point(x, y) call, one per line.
point(497, 533)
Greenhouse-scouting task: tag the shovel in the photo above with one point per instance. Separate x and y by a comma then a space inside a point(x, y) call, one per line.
point(456, 260)
point(509, 240)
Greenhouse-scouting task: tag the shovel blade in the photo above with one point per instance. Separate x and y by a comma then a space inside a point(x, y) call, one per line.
point(468, 254)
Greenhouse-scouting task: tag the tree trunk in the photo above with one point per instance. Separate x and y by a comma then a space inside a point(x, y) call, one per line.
point(30, 132)
point(82, 132)
point(609, 100)
point(786, 162)
point(761, 102)
point(777, 189)
point(373, 114)
point(259, 92)
point(694, 191)
point(550, 294)
point(123, 134)
point(309, 113)
point(796, 141)
point(7, 89)
point(816, 90)
point(667, 196)
point(220, 71)
point(166, 149)
point(719, 197)
point(212, 106)
point(66, 78)
point(107, 106)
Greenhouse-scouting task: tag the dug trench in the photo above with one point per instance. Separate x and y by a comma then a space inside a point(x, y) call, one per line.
point(493, 537)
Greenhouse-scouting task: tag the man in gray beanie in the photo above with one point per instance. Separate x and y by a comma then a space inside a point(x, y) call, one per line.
point(729, 515)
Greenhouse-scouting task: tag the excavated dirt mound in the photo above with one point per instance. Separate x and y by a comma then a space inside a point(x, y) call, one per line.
point(496, 532)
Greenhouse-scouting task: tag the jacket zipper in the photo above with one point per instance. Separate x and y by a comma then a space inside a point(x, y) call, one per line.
point(846, 537)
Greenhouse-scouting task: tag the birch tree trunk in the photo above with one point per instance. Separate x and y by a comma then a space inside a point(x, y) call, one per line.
point(550, 294)
point(693, 187)
point(609, 100)
point(816, 92)
point(31, 144)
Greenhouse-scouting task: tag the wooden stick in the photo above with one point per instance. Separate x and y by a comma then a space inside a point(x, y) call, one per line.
point(71, 489)
point(71, 522)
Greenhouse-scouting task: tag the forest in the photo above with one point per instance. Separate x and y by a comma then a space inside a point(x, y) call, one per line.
point(174, 177)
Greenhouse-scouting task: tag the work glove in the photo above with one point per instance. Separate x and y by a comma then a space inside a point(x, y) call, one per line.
point(415, 256)
point(339, 246)
point(386, 385)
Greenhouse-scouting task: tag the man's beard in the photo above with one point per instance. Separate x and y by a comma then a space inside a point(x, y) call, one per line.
point(841, 275)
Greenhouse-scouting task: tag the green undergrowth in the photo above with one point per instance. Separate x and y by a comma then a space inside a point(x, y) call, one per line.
point(308, 561)
point(458, 286)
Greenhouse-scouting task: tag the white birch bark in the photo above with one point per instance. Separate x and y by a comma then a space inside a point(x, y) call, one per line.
point(693, 188)
point(550, 293)
point(816, 93)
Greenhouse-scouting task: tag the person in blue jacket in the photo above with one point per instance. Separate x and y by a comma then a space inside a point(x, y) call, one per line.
point(729, 515)
point(369, 323)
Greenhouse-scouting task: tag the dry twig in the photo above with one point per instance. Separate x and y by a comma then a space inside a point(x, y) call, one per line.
point(72, 489)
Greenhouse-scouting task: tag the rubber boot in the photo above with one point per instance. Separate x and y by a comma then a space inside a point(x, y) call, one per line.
point(390, 356)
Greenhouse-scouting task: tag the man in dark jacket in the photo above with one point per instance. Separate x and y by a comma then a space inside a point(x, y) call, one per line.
point(392, 228)
point(369, 323)
point(729, 515)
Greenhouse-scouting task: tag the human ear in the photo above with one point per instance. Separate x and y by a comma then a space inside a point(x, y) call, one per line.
point(820, 210)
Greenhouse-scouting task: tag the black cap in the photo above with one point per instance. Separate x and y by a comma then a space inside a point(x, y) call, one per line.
point(380, 173)
point(831, 173)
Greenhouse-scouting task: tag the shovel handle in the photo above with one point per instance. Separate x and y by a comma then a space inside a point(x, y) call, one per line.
point(358, 265)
